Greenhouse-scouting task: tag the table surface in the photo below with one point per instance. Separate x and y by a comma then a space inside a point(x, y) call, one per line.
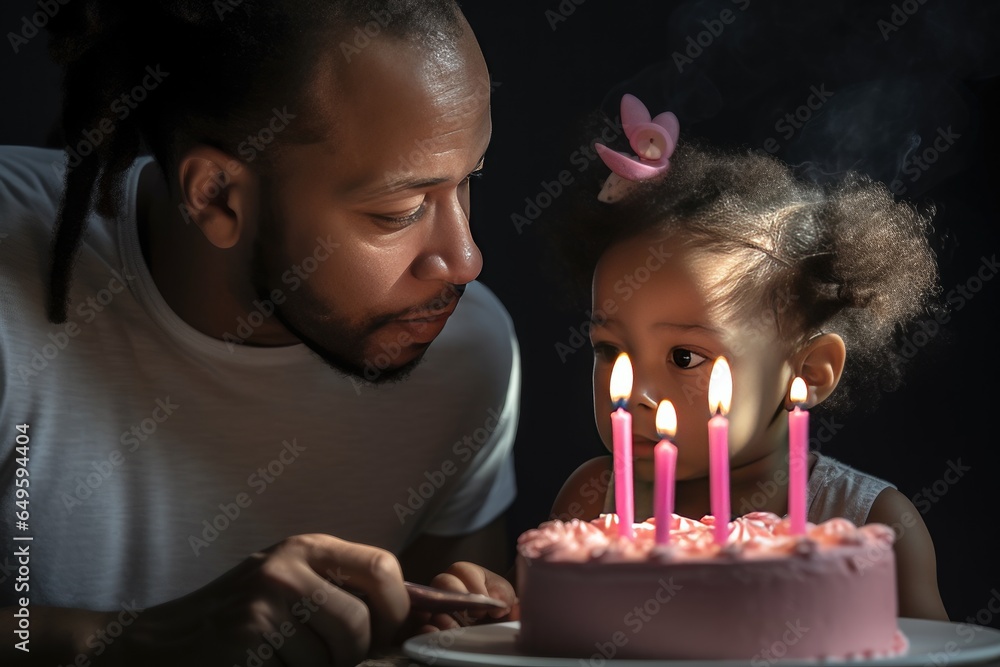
point(391, 660)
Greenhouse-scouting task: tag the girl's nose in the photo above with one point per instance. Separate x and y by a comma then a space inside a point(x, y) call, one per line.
point(645, 400)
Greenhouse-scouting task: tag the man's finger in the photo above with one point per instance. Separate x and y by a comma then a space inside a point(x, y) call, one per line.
point(368, 571)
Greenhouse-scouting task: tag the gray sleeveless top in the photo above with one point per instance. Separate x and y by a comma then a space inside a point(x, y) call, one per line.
point(836, 489)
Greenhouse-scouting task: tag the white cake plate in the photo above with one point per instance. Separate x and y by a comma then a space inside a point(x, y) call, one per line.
point(932, 643)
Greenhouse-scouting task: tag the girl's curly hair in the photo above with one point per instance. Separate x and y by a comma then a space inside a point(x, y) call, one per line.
point(843, 257)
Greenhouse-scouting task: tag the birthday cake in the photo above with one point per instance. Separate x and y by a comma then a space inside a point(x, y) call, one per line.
point(763, 595)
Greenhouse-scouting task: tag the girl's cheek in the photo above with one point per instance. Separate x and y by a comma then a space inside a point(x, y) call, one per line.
point(604, 428)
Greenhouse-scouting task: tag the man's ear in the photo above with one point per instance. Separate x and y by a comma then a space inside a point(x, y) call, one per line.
point(219, 194)
point(820, 363)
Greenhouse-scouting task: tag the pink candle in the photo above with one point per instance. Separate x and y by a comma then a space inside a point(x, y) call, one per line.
point(665, 465)
point(720, 392)
point(798, 451)
point(621, 436)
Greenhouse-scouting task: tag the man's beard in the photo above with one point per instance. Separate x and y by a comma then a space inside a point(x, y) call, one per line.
point(328, 334)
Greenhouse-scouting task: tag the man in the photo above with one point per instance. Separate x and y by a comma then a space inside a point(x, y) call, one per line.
point(198, 480)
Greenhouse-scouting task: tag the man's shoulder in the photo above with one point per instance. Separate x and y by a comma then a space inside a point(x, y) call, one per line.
point(32, 163)
point(481, 308)
point(31, 178)
point(476, 358)
point(481, 327)
point(484, 306)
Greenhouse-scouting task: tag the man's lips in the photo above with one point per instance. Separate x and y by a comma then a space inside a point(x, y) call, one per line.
point(432, 316)
point(423, 327)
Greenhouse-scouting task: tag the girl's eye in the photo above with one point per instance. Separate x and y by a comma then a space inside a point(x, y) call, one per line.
point(605, 352)
point(683, 358)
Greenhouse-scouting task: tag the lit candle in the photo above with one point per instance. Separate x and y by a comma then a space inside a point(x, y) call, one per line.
point(720, 394)
point(665, 463)
point(798, 450)
point(621, 436)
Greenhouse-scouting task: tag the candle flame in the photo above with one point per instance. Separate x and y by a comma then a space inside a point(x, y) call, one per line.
point(666, 420)
point(621, 379)
point(799, 392)
point(720, 387)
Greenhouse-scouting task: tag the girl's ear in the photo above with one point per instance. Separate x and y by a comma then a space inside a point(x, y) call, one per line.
point(217, 192)
point(820, 363)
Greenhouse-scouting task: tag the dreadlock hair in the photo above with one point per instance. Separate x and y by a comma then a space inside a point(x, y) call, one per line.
point(220, 69)
point(841, 257)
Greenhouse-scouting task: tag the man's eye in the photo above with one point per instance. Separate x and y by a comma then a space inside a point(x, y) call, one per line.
point(605, 352)
point(478, 173)
point(683, 358)
point(404, 219)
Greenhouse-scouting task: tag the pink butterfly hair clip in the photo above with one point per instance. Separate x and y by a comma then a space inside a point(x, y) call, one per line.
point(653, 140)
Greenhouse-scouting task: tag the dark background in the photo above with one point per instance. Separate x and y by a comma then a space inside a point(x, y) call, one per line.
point(901, 74)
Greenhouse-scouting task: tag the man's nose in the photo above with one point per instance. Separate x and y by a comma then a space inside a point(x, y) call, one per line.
point(450, 254)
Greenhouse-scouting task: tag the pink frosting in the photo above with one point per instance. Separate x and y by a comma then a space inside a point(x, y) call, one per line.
point(755, 535)
point(826, 595)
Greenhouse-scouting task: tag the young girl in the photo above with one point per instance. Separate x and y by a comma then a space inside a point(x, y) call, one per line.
point(697, 253)
point(694, 253)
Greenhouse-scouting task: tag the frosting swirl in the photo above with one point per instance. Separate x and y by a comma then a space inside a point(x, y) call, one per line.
point(755, 535)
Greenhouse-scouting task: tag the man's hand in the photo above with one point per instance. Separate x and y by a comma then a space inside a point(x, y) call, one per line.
point(309, 600)
point(292, 597)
